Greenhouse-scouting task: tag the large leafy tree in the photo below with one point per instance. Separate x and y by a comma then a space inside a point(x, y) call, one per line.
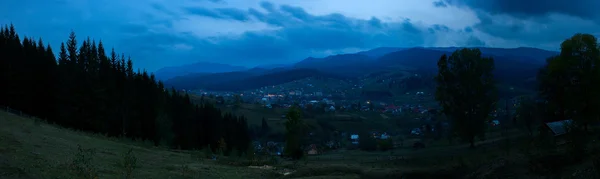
point(295, 128)
point(527, 113)
point(466, 91)
point(570, 82)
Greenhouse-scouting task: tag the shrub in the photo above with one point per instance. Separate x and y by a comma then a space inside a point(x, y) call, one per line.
point(367, 143)
point(208, 152)
point(385, 144)
point(128, 164)
point(596, 164)
point(82, 164)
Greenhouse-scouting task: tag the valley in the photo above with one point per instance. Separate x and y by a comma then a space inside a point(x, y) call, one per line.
point(306, 90)
point(34, 149)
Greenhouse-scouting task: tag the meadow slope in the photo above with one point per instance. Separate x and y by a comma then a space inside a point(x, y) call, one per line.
point(33, 149)
point(30, 148)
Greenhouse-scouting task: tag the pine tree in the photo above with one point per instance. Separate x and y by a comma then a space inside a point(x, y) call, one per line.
point(86, 90)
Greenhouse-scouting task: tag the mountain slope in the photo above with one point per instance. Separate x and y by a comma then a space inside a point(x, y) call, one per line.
point(508, 69)
point(268, 79)
point(537, 56)
point(333, 61)
point(201, 80)
point(379, 52)
point(200, 67)
point(349, 65)
point(513, 66)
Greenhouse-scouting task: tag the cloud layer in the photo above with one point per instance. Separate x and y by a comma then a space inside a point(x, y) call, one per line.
point(162, 33)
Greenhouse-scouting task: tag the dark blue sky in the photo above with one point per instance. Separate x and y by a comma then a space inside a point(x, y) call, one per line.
point(158, 33)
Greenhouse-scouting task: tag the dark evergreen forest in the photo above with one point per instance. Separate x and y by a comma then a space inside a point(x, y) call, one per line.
point(84, 88)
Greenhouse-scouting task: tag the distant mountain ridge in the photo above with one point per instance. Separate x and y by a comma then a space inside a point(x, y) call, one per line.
point(511, 65)
point(538, 56)
point(380, 51)
point(199, 67)
point(269, 79)
point(349, 65)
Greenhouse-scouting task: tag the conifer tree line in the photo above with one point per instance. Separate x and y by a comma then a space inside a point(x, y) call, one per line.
point(85, 88)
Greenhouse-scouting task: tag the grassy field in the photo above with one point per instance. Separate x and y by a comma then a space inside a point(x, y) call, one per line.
point(344, 121)
point(30, 148)
point(33, 149)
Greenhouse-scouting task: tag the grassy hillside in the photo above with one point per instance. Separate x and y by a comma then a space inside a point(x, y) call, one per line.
point(33, 149)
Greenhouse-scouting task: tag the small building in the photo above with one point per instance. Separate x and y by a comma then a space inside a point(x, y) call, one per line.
point(354, 138)
point(331, 109)
point(415, 131)
point(558, 129)
point(495, 123)
point(313, 150)
point(384, 136)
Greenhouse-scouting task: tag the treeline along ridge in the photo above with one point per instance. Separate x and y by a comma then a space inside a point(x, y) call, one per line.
point(84, 88)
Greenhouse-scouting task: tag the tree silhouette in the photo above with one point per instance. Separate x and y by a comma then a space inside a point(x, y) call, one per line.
point(294, 127)
point(466, 91)
point(85, 89)
point(570, 82)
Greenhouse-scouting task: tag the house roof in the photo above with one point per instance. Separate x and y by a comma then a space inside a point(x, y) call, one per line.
point(392, 107)
point(559, 127)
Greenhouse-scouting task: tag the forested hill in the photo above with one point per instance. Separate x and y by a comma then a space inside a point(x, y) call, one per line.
point(87, 89)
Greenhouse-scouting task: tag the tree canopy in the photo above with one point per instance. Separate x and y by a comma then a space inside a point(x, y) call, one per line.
point(466, 91)
point(92, 90)
point(570, 82)
point(295, 130)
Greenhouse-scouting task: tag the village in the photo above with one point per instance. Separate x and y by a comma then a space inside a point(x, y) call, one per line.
point(416, 113)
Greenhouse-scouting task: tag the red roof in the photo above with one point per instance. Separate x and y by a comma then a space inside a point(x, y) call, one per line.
point(392, 107)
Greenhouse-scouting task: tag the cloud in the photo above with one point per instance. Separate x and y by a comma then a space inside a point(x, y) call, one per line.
point(585, 9)
point(219, 13)
point(439, 4)
point(302, 31)
point(298, 34)
point(536, 23)
point(160, 33)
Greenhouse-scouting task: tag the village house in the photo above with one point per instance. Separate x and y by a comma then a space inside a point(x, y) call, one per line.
point(313, 150)
point(558, 130)
point(354, 138)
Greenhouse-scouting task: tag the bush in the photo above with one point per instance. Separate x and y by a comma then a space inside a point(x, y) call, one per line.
point(367, 143)
point(208, 152)
point(596, 164)
point(128, 164)
point(82, 164)
point(385, 144)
